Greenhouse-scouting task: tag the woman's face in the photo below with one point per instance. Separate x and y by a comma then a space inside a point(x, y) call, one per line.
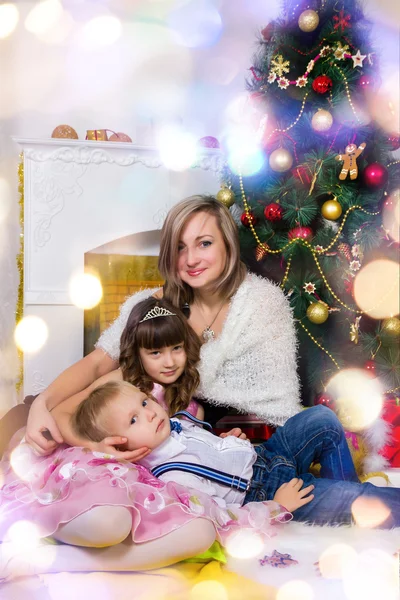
point(201, 252)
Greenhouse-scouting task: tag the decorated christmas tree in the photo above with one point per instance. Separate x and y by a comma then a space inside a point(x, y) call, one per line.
point(318, 200)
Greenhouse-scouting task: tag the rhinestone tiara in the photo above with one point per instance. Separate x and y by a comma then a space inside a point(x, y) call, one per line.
point(157, 312)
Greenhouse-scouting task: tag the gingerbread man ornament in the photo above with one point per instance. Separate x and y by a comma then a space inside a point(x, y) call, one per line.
point(349, 159)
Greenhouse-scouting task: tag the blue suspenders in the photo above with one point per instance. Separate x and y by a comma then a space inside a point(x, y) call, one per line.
point(232, 481)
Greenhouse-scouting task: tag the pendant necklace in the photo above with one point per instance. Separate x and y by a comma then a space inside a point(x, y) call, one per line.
point(209, 334)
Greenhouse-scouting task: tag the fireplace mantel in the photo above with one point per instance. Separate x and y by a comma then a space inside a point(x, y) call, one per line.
point(81, 195)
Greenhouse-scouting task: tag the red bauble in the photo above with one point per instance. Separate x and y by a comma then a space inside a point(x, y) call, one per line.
point(246, 220)
point(273, 212)
point(324, 399)
point(208, 142)
point(322, 84)
point(370, 366)
point(375, 176)
point(366, 82)
point(394, 141)
point(305, 233)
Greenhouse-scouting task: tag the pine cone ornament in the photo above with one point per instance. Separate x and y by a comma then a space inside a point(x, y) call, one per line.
point(345, 249)
point(260, 253)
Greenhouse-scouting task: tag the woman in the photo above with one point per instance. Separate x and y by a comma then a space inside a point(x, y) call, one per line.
point(248, 357)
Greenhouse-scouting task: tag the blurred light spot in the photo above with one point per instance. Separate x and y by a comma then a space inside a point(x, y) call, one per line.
point(377, 288)
point(1, 477)
point(9, 17)
point(220, 70)
point(195, 24)
point(384, 104)
point(369, 512)
point(24, 535)
point(334, 559)
point(5, 193)
point(85, 290)
point(295, 590)
point(178, 148)
point(244, 543)
point(102, 31)
point(239, 109)
point(21, 461)
point(60, 31)
point(391, 215)
point(208, 589)
point(244, 153)
point(43, 16)
point(373, 575)
point(31, 334)
point(358, 398)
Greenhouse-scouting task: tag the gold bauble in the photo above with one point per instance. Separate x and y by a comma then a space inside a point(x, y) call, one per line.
point(64, 131)
point(322, 120)
point(280, 160)
point(226, 197)
point(308, 21)
point(331, 210)
point(318, 312)
point(391, 326)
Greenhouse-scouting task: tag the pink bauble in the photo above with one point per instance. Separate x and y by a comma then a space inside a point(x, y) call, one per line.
point(325, 400)
point(209, 142)
point(120, 137)
point(375, 175)
point(305, 233)
point(366, 82)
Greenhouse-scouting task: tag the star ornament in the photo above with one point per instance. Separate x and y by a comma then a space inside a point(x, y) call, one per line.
point(271, 77)
point(283, 83)
point(301, 81)
point(309, 287)
point(358, 59)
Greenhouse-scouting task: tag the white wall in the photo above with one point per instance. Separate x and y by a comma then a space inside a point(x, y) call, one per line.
point(142, 80)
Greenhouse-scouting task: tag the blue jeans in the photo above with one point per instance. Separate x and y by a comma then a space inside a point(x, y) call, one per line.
point(316, 435)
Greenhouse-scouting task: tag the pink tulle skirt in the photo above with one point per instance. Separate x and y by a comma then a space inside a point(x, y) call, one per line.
point(55, 489)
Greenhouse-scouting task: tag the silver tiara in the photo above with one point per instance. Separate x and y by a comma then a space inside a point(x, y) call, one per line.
point(157, 312)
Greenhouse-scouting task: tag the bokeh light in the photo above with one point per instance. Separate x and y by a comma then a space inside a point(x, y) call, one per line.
point(85, 290)
point(244, 543)
point(195, 24)
point(5, 194)
point(374, 574)
point(391, 215)
point(358, 398)
point(24, 542)
point(333, 560)
point(21, 461)
point(295, 590)
point(44, 16)
point(208, 589)
point(31, 334)
point(102, 31)
point(9, 17)
point(178, 148)
point(244, 153)
point(384, 103)
point(24, 535)
point(57, 34)
point(369, 512)
point(377, 288)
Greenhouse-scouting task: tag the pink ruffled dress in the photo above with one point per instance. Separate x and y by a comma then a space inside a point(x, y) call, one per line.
point(55, 489)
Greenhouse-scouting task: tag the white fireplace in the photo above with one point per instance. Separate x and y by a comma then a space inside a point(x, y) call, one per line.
point(82, 195)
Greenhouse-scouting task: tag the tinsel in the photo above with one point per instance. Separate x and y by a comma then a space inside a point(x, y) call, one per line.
point(19, 309)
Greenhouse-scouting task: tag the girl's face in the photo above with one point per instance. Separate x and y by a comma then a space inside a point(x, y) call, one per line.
point(201, 252)
point(164, 365)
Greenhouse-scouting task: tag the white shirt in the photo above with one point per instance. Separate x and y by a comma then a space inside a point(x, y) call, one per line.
point(197, 445)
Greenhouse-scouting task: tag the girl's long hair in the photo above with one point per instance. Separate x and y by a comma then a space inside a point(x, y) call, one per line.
point(157, 333)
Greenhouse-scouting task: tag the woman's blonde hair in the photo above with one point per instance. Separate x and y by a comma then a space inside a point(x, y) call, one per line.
point(176, 291)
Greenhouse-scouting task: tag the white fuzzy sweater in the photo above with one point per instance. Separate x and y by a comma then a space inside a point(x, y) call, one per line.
point(251, 365)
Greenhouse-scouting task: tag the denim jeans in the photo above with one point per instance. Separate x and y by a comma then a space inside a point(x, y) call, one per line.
point(316, 435)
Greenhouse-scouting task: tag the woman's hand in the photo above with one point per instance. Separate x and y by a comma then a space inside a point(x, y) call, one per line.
point(291, 496)
point(39, 421)
point(236, 431)
point(112, 445)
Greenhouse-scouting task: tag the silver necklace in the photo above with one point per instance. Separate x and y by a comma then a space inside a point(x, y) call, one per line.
point(209, 334)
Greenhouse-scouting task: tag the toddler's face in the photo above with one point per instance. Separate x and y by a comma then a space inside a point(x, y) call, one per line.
point(133, 415)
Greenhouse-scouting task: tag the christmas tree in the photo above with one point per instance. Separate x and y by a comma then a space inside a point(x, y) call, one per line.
point(324, 204)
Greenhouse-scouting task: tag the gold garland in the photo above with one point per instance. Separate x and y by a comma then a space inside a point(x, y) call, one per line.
point(297, 119)
point(346, 85)
point(19, 310)
point(320, 346)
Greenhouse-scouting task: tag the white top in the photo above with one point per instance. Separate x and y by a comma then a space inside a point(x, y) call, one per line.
point(197, 445)
point(252, 364)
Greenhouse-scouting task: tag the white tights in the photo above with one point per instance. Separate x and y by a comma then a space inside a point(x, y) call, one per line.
point(93, 542)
